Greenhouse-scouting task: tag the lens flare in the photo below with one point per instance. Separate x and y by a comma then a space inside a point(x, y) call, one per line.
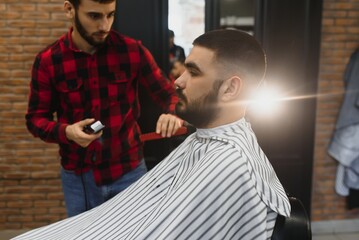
point(265, 100)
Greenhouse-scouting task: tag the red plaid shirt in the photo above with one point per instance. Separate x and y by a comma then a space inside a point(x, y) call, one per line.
point(104, 86)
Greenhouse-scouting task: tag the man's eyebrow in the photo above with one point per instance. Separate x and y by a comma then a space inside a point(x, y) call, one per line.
point(192, 66)
point(100, 13)
point(94, 12)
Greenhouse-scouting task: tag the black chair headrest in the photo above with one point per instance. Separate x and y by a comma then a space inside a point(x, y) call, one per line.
point(295, 227)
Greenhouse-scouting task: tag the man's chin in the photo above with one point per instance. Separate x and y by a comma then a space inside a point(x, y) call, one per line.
point(97, 41)
point(100, 39)
point(180, 108)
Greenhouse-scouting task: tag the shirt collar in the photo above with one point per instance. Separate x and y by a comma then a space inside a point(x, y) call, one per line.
point(68, 41)
point(70, 44)
point(214, 132)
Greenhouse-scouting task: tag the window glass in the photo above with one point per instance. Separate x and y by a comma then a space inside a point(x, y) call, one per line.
point(186, 19)
point(237, 14)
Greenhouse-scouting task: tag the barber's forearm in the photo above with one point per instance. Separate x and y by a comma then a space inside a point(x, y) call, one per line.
point(46, 130)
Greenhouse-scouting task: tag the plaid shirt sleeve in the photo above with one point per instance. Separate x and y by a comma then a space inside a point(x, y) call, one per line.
point(42, 105)
point(153, 79)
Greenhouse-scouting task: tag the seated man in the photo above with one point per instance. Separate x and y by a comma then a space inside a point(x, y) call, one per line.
point(218, 184)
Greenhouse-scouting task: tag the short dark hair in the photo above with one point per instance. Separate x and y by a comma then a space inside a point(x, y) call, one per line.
point(237, 51)
point(171, 33)
point(76, 3)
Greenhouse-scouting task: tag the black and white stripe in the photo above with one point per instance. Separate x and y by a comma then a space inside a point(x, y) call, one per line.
point(218, 184)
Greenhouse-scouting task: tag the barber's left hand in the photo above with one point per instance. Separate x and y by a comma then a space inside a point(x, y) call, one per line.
point(168, 124)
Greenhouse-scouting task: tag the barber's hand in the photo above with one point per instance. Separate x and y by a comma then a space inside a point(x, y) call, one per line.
point(75, 133)
point(168, 124)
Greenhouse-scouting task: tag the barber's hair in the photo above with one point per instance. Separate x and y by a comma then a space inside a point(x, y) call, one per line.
point(76, 3)
point(237, 51)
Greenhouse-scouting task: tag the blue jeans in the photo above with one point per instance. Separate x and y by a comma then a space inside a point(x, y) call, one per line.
point(81, 192)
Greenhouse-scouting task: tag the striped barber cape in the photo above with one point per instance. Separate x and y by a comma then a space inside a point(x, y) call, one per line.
point(218, 184)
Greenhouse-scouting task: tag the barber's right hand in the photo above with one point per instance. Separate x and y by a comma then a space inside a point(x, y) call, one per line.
point(74, 132)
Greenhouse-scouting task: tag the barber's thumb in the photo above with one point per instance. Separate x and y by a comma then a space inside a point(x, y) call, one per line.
point(87, 121)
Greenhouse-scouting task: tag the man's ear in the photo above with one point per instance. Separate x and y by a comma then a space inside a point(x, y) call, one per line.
point(69, 9)
point(231, 89)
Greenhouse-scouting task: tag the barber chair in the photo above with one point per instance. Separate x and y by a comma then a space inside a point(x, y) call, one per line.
point(296, 226)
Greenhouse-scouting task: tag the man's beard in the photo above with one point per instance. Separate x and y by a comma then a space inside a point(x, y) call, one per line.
point(201, 111)
point(85, 35)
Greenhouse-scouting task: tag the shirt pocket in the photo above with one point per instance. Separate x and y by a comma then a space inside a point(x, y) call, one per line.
point(122, 93)
point(71, 93)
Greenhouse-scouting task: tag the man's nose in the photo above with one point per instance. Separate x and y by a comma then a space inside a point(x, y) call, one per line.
point(181, 81)
point(105, 24)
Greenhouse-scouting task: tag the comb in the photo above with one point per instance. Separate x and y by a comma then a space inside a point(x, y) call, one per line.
point(154, 136)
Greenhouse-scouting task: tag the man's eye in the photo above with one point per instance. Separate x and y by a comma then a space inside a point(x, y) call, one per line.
point(94, 16)
point(194, 73)
point(111, 15)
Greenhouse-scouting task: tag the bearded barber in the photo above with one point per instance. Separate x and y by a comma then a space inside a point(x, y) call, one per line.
point(92, 73)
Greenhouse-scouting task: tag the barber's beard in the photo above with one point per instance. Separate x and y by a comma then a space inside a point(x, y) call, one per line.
point(85, 35)
point(199, 112)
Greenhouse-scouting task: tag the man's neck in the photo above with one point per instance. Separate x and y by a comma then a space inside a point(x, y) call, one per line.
point(81, 43)
point(227, 116)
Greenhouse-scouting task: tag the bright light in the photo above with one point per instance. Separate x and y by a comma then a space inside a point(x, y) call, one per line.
point(265, 100)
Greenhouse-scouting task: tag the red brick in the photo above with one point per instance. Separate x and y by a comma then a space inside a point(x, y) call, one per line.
point(57, 8)
point(10, 15)
point(17, 189)
point(346, 22)
point(47, 217)
point(32, 196)
point(59, 210)
point(21, 218)
point(16, 175)
point(56, 196)
point(21, 24)
point(334, 14)
point(46, 203)
point(36, 15)
point(21, 7)
point(45, 174)
point(32, 211)
point(34, 224)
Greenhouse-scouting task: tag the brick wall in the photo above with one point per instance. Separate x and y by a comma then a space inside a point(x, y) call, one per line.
point(340, 37)
point(30, 189)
